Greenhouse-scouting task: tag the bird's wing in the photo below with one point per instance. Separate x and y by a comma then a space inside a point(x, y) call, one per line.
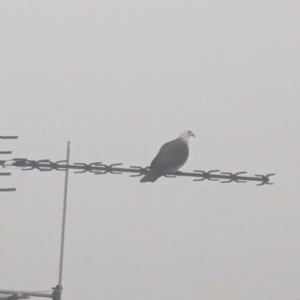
point(171, 155)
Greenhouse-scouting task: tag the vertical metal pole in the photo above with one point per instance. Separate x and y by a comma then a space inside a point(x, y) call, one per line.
point(64, 220)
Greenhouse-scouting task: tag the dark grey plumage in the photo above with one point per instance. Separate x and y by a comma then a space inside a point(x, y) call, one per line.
point(171, 156)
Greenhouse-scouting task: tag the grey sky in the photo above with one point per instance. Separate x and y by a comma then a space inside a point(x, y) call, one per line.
point(118, 79)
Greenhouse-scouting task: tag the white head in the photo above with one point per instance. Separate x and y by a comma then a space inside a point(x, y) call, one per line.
point(186, 134)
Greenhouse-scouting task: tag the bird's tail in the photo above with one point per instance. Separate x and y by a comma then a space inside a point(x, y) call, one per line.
point(150, 177)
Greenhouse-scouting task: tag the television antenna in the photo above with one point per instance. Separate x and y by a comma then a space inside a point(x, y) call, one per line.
point(56, 291)
point(98, 168)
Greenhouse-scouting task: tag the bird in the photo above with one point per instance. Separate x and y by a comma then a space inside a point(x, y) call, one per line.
point(170, 158)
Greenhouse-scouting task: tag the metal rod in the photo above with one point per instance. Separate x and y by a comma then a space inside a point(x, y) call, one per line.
point(5, 174)
point(64, 219)
point(99, 169)
point(18, 296)
point(8, 190)
point(8, 137)
point(29, 293)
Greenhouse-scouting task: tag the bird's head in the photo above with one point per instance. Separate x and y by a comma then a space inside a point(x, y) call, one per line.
point(186, 134)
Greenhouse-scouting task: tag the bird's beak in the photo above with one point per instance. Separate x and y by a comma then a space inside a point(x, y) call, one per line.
point(193, 135)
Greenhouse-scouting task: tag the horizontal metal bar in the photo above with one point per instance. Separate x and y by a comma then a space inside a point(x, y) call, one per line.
point(5, 152)
point(98, 169)
point(27, 293)
point(8, 137)
point(8, 190)
point(129, 170)
point(5, 174)
point(19, 296)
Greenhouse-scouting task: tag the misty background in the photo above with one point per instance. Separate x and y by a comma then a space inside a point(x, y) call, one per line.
point(118, 79)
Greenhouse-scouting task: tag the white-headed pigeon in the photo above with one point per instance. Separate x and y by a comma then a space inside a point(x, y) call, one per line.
point(171, 156)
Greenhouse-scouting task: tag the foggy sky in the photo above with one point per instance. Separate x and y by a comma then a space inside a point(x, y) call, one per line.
point(118, 79)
